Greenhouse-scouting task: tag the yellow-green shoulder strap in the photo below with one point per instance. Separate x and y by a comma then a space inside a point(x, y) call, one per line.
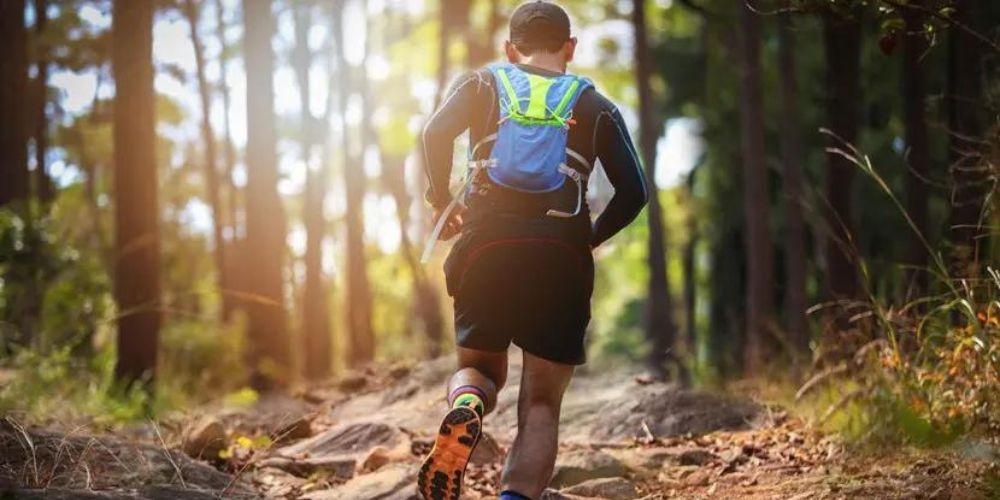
point(509, 88)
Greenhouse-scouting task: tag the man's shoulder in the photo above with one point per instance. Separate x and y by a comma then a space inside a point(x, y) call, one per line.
point(594, 101)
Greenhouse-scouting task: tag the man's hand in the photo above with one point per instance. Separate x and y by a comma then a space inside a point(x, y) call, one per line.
point(453, 225)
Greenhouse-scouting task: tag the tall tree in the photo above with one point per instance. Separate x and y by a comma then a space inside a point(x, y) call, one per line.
point(791, 160)
point(969, 175)
point(234, 280)
point(661, 331)
point(755, 196)
point(479, 44)
point(212, 185)
point(137, 231)
point(426, 302)
point(44, 189)
point(842, 43)
point(14, 177)
point(359, 302)
point(316, 322)
point(918, 154)
point(268, 348)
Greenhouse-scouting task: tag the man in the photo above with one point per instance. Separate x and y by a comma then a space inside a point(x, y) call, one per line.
point(522, 270)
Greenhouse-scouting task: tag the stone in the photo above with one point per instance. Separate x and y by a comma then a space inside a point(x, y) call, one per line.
point(396, 482)
point(488, 451)
point(582, 465)
point(669, 412)
point(611, 488)
point(696, 456)
point(297, 429)
point(353, 382)
point(354, 440)
point(204, 438)
point(330, 466)
point(551, 494)
point(699, 477)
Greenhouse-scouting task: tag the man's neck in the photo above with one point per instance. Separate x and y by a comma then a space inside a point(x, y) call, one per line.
point(548, 62)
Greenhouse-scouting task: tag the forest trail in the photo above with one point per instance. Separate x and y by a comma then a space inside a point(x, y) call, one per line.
point(363, 436)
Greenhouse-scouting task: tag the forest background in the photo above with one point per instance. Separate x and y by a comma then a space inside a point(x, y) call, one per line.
point(214, 198)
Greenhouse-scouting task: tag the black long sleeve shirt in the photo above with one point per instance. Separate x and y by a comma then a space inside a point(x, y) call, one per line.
point(599, 133)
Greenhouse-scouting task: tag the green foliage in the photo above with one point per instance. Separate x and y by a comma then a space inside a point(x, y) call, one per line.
point(202, 359)
point(61, 387)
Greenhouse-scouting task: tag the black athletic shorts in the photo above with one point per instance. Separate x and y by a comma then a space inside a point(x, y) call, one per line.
point(534, 292)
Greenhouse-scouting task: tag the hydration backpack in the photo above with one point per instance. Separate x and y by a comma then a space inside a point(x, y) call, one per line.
point(529, 153)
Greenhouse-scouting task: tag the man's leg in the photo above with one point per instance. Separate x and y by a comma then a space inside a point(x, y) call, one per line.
point(533, 455)
point(472, 392)
point(481, 372)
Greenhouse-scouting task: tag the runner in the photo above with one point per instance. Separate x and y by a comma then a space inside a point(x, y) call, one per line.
point(522, 270)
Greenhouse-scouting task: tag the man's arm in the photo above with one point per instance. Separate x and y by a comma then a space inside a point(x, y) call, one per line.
point(621, 164)
point(437, 139)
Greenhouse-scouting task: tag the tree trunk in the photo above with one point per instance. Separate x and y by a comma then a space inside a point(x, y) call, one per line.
point(444, 42)
point(212, 185)
point(969, 175)
point(918, 155)
point(44, 189)
point(426, 302)
point(137, 232)
point(14, 180)
point(757, 207)
point(233, 282)
point(479, 45)
point(791, 159)
point(362, 341)
point(661, 331)
point(842, 42)
point(690, 272)
point(316, 323)
point(268, 347)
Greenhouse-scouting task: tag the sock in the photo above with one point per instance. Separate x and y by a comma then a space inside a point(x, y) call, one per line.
point(512, 495)
point(469, 396)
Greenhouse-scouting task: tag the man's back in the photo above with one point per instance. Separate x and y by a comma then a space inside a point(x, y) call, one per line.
point(597, 132)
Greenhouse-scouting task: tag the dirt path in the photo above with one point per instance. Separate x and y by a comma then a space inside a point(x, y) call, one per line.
point(363, 436)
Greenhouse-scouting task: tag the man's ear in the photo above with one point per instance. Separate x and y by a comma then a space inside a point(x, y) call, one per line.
point(569, 49)
point(513, 56)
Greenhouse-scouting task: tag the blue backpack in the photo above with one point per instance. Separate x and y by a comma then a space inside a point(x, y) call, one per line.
point(529, 151)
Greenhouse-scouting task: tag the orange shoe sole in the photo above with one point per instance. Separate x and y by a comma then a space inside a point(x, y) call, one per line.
point(440, 476)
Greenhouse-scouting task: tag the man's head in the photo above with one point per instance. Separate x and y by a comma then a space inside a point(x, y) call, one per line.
point(540, 29)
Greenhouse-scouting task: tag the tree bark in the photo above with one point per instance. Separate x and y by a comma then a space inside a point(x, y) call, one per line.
point(137, 232)
point(233, 247)
point(842, 42)
point(362, 341)
point(316, 323)
point(14, 176)
point(690, 272)
point(661, 331)
point(918, 155)
point(479, 45)
point(756, 204)
point(969, 176)
point(212, 185)
point(44, 188)
point(268, 348)
point(426, 302)
point(444, 42)
point(791, 159)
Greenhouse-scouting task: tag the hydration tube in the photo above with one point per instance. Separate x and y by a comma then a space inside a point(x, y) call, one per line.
point(439, 226)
